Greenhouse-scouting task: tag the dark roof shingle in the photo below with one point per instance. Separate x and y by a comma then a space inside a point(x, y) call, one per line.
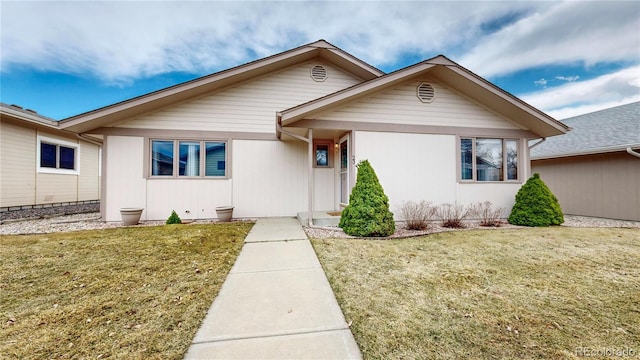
point(597, 132)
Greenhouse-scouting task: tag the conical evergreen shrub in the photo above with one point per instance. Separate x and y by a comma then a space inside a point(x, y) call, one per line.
point(536, 205)
point(173, 218)
point(368, 211)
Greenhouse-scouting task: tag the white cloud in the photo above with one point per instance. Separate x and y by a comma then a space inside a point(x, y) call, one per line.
point(575, 98)
point(542, 82)
point(572, 32)
point(124, 40)
point(568, 78)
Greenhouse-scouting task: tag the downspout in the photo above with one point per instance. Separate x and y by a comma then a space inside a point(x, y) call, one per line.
point(309, 142)
point(538, 143)
point(311, 188)
point(632, 152)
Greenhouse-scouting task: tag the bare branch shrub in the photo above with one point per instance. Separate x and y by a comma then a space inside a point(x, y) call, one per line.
point(487, 215)
point(453, 215)
point(417, 216)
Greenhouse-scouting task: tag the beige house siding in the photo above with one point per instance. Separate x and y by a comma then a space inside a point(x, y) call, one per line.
point(269, 178)
point(23, 184)
point(18, 164)
point(602, 185)
point(89, 177)
point(250, 106)
point(125, 183)
point(401, 104)
point(56, 188)
point(415, 167)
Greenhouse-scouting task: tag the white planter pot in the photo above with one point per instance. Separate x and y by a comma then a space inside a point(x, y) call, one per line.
point(130, 216)
point(225, 213)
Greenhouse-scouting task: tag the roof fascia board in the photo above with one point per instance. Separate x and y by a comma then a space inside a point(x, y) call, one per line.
point(595, 151)
point(361, 68)
point(508, 97)
point(25, 116)
point(248, 70)
point(294, 114)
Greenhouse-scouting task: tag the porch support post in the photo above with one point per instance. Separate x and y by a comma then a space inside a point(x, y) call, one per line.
point(310, 187)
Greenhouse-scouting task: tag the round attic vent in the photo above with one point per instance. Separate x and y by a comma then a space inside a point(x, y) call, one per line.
point(426, 92)
point(319, 73)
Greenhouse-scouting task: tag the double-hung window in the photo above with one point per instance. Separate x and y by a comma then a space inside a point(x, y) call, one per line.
point(57, 156)
point(188, 158)
point(487, 159)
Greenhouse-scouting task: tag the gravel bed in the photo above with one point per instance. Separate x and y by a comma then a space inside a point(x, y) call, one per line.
point(91, 221)
point(36, 213)
point(402, 232)
point(76, 222)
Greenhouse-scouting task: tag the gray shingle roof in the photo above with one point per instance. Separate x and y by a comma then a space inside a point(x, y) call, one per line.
point(597, 132)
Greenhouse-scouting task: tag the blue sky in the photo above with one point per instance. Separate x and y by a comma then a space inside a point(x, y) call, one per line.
point(565, 58)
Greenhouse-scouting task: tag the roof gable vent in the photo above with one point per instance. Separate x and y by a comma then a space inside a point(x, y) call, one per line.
point(319, 73)
point(426, 92)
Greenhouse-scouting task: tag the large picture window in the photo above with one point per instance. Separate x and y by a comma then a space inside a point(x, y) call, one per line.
point(57, 156)
point(485, 159)
point(191, 160)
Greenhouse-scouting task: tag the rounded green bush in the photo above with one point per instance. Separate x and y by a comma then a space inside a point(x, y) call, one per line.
point(536, 205)
point(368, 212)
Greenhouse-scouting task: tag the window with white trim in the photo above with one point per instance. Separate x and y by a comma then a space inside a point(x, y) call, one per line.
point(488, 159)
point(188, 158)
point(57, 156)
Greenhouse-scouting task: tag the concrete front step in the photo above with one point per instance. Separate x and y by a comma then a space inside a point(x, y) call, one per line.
point(320, 218)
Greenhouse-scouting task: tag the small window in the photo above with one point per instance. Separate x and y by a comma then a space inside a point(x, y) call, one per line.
point(189, 158)
point(323, 153)
point(466, 159)
point(162, 158)
point(189, 162)
point(215, 163)
point(57, 156)
point(488, 159)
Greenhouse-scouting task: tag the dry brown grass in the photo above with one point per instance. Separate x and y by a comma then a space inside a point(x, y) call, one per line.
point(138, 292)
point(540, 293)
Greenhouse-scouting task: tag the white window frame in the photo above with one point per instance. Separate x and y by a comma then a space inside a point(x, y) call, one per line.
point(176, 158)
point(57, 142)
point(505, 170)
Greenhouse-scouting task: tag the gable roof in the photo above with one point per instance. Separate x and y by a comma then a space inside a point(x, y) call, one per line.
point(608, 130)
point(454, 76)
point(200, 86)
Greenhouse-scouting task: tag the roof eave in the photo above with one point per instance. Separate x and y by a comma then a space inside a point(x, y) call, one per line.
point(291, 115)
point(596, 151)
point(145, 103)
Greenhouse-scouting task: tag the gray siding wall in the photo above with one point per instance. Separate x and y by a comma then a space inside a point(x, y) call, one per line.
point(604, 185)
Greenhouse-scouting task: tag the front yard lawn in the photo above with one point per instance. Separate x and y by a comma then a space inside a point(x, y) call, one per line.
point(136, 293)
point(540, 293)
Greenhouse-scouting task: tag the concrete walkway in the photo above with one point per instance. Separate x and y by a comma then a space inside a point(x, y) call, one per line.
point(276, 303)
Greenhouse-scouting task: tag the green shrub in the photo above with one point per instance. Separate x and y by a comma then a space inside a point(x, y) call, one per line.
point(368, 211)
point(174, 218)
point(536, 205)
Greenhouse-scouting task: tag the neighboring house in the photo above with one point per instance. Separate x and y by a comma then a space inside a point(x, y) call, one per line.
point(283, 134)
point(595, 169)
point(43, 166)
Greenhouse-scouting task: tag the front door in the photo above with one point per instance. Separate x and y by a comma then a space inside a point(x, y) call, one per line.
point(344, 170)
